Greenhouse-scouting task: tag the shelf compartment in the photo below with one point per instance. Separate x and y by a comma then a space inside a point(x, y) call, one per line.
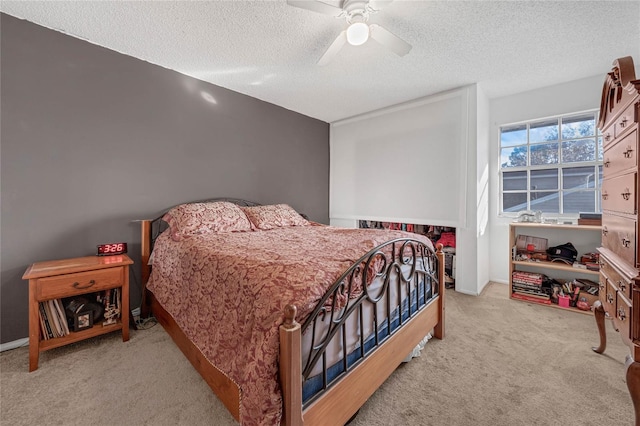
point(76, 336)
point(553, 305)
point(556, 266)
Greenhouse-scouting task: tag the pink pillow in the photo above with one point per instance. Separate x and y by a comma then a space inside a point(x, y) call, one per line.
point(274, 216)
point(200, 218)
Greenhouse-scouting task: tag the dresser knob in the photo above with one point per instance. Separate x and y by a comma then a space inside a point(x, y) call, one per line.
point(622, 314)
point(605, 231)
point(605, 195)
point(607, 163)
point(626, 194)
point(622, 285)
point(625, 242)
point(607, 137)
point(609, 298)
point(627, 153)
point(623, 122)
point(79, 287)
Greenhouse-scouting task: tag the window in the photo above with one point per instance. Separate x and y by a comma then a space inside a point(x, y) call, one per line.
point(552, 165)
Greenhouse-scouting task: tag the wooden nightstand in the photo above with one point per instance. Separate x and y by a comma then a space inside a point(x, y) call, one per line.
point(57, 279)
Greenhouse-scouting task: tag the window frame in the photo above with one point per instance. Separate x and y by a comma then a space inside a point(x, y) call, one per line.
point(597, 164)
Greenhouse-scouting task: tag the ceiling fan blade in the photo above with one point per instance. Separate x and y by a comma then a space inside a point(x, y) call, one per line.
point(333, 49)
point(388, 39)
point(316, 6)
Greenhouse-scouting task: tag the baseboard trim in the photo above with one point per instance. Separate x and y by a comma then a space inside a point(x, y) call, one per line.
point(13, 345)
point(470, 293)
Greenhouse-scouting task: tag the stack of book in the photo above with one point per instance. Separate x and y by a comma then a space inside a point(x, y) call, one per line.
point(590, 219)
point(53, 321)
point(528, 286)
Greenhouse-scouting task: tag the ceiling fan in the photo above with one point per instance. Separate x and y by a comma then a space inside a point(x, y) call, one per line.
point(356, 13)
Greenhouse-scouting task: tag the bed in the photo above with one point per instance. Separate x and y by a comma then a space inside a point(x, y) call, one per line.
point(287, 320)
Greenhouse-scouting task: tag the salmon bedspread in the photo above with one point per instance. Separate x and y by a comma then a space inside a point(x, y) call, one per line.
point(228, 292)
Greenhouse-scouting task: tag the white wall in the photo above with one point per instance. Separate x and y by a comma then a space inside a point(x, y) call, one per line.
point(435, 140)
point(575, 96)
point(383, 163)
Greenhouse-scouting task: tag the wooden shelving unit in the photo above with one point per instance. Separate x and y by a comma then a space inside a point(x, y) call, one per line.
point(586, 238)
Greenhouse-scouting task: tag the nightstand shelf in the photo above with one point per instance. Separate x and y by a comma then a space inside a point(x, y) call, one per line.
point(76, 336)
point(64, 278)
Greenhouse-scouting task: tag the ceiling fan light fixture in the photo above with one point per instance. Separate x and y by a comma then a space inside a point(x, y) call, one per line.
point(357, 33)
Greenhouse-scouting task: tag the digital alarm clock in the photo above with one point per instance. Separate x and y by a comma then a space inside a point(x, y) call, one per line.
point(111, 249)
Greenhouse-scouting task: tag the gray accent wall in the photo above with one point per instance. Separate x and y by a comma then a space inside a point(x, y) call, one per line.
point(92, 140)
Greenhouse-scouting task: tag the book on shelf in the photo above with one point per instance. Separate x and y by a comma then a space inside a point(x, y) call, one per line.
point(545, 299)
point(53, 320)
point(527, 277)
point(538, 294)
point(62, 316)
point(592, 222)
point(527, 287)
point(590, 219)
point(47, 333)
point(592, 266)
point(59, 320)
point(43, 328)
point(527, 282)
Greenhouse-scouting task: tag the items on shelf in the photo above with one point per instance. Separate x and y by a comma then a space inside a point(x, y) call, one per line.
point(527, 243)
point(564, 252)
point(59, 317)
point(594, 219)
point(527, 285)
point(539, 288)
point(534, 249)
point(53, 322)
point(444, 235)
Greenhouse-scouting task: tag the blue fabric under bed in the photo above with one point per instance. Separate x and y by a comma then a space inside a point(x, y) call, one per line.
point(314, 384)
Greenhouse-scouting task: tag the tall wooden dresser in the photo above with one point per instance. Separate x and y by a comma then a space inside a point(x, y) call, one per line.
point(620, 254)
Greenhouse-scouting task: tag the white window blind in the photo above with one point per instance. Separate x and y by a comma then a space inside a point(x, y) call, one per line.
point(407, 163)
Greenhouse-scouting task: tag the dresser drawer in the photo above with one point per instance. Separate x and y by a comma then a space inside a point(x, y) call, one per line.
point(607, 136)
point(622, 317)
point(619, 236)
point(627, 119)
point(618, 281)
point(619, 194)
point(621, 155)
point(79, 283)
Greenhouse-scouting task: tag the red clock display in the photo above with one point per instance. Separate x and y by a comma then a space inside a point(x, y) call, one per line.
point(112, 249)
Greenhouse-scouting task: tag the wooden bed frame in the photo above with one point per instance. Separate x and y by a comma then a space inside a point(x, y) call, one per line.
point(336, 405)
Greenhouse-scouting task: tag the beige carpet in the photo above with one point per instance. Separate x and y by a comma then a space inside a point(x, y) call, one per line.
point(502, 362)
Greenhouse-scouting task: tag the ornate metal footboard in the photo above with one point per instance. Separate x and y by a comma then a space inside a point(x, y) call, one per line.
point(406, 271)
point(406, 303)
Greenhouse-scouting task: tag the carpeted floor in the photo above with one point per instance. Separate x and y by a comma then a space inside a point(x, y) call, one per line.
point(502, 362)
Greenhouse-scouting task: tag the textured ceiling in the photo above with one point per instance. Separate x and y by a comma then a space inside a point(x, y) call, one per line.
point(268, 49)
